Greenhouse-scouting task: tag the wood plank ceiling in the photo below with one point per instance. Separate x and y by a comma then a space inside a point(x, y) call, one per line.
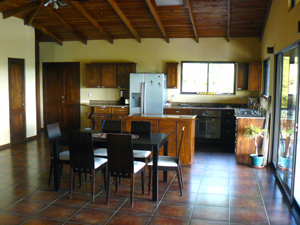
point(138, 19)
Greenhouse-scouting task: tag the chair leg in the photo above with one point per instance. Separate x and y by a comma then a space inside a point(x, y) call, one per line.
point(50, 172)
point(107, 188)
point(71, 182)
point(104, 175)
point(149, 183)
point(132, 189)
point(116, 184)
point(180, 169)
point(93, 184)
point(179, 180)
point(143, 180)
point(61, 169)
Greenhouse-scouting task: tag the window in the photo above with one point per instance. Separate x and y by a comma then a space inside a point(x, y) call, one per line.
point(266, 78)
point(208, 78)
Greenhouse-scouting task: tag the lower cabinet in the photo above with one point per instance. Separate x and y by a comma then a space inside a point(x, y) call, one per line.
point(228, 128)
point(110, 113)
point(172, 126)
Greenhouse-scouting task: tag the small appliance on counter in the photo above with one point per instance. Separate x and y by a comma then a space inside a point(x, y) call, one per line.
point(122, 99)
point(126, 101)
point(253, 102)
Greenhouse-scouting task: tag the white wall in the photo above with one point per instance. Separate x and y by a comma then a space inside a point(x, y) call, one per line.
point(17, 41)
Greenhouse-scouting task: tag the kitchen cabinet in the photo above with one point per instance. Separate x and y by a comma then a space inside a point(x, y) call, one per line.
point(249, 76)
point(110, 113)
point(228, 128)
point(173, 126)
point(123, 71)
point(178, 111)
point(172, 70)
point(109, 75)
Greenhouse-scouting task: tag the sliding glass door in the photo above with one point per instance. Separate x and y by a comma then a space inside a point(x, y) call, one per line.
point(287, 115)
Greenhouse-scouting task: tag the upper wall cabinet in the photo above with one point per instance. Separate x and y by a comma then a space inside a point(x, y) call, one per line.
point(249, 76)
point(172, 69)
point(109, 75)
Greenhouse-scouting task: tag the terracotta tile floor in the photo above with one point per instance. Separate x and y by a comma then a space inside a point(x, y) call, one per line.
point(216, 191)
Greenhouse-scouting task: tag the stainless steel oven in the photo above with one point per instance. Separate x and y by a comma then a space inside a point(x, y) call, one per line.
point(208, 124)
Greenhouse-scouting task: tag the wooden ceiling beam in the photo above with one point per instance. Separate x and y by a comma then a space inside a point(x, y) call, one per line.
point(66, 25)
point(125, 20)
point(88, 16)
point(228, 20)
point(3, 1)
point(265, 20)
point(158, 21)
point(21, 9)
point(188, 5)
point(31, 18)
point(46, 32)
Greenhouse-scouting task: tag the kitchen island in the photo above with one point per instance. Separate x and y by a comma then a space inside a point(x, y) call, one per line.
point(172, 124)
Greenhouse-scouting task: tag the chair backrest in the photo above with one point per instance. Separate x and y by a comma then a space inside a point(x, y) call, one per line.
point(180, 144)
point(141, 127)
point(81, 152)
point(112, 126)
point(53, 130)
point(120, 155)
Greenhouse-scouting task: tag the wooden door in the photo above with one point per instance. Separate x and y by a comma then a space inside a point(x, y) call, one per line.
point(108, 75)
point(17, 100)
point(61, 85)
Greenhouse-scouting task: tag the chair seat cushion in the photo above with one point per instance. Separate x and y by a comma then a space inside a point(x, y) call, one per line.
point(165, 161)
point(100, 152)
point(141, 154)
point(138, 166)
point(99, 161)
point(65, 155)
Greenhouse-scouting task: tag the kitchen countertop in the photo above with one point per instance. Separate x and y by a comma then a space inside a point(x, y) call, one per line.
point(104, 106)
point(165, 116)
point(196, 107)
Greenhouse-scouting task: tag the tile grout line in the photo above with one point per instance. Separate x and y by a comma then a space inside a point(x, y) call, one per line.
point(262, 199)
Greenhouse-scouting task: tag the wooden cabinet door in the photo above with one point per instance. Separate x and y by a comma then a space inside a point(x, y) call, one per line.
point(123, 71)
point(172, 75)
point(242, 77)
point(108, 75)
point(93, 72)
point(61, 86)
point(254, 77)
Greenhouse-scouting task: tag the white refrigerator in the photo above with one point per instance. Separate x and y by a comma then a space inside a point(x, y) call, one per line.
point(147, 93)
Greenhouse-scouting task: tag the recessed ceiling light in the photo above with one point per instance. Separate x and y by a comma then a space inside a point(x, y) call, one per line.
point(102, 13)
point(250, 6)
point(252, 21)
point(168, 2)
point(171, 10)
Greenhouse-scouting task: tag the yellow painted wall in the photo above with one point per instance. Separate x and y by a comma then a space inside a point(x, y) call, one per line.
point(281, 31)
point(17, 41)
point(151, 55)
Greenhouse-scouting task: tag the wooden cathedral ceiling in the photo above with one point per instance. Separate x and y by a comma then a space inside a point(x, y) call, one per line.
point(138, 19)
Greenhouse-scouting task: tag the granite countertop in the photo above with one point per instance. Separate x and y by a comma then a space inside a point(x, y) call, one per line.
point(104, 106)
point(165, 116)
point(196, 107)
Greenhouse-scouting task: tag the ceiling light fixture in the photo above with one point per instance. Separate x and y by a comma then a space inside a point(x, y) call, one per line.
point(171, 10)
point(168, 2)
point(250, 6)
point(61, 3)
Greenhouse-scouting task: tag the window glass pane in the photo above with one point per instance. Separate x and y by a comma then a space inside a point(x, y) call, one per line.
point(221, 77)
point(194, 77)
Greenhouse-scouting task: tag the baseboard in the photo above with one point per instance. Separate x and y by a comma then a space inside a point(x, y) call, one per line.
point(5, 146)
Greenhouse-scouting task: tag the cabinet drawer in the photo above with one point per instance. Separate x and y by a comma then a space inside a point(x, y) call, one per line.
point(178, 111)
point(102, 110)
point(118, 117)
point(228, 113)
point(119, 110)
point(168, 125)
point(172, 133)
point(100, 117)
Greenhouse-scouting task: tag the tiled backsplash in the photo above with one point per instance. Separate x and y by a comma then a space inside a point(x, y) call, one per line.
point(103, 102)
point(198, 104)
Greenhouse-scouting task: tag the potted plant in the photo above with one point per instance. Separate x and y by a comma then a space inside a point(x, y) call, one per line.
point(251, 133)
point(289, 139)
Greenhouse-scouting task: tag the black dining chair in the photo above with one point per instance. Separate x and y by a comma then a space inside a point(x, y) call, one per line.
point(169, 163)
point(121, 163)
point(64, 156)
point(141, 128)
point(82, 159)
point(110, 126)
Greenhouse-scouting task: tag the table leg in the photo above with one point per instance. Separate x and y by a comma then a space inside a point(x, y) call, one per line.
point(56, 164)
point(155, 174)
point(165, 173)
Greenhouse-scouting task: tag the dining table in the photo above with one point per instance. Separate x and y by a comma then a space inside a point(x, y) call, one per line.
point(154, 141)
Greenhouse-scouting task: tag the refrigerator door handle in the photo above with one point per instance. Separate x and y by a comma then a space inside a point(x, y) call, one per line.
point(142, 98)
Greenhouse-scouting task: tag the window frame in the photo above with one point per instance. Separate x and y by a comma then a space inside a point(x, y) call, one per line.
point(208, 62)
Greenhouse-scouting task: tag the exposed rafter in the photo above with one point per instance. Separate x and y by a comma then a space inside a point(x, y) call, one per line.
point(125, 20)
point(188, 5)
point(157, 19)
point(82, 10)
point(266, 20)
point(228, 20)
point(3, 1)
point(31, 18)
point(60, 20)
point(22, 9)
point(46, 32)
